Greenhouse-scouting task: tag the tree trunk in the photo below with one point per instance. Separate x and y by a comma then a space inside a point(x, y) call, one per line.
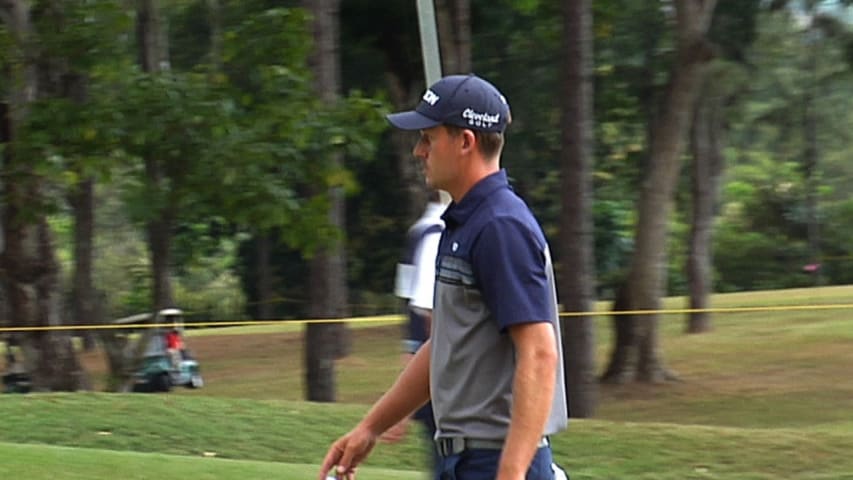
point(28, 257)
point(153, 58)
point(151, 36)
point(623, 358)
point(328, 287)
point(214, 19)
point(124, 350)
point(454, 35)
point(82, 204)
point(811, 157)
point(81, 198)
point(33, 292)
point(646, 278)
point(159, 233)
point(324, 341)
point(263, 245)
point(708, 163)
point(577, 276)
point(125, 354)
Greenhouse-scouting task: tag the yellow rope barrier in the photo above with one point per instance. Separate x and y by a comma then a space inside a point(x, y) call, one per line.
point(222, 323)
point(778, 308)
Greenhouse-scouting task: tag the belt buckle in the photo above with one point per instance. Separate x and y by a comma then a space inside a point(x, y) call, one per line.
point(450, 446)
point(439, 447)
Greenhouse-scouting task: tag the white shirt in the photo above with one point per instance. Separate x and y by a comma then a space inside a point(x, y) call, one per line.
point(418, 283)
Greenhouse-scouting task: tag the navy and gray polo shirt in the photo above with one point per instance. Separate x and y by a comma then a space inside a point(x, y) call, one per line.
point(493, 271)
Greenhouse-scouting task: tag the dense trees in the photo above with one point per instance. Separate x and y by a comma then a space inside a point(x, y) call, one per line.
point(210, 130)
point(38, 73)
point(636, 353)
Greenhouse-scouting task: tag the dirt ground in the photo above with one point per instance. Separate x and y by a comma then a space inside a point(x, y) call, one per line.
point(270, 365)
point(221, 357)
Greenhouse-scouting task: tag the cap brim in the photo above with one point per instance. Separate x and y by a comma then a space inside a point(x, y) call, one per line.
point(411, 120)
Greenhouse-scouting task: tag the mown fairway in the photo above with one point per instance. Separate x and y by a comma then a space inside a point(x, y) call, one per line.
point(765, 395)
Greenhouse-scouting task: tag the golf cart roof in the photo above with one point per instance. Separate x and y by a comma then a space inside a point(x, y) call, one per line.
point(134, 319)
point(147, 317)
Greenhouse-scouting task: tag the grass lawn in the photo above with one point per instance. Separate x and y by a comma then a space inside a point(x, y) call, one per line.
point(43, 462)
point(764, 395)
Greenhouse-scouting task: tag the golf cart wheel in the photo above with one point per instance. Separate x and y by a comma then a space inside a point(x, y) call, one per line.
point(161, 383)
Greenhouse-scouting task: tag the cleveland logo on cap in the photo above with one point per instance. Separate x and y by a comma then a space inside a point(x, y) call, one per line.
point(480, 119)
point(465, 101)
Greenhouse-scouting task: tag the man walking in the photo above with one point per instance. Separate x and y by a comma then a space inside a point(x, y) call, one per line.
point(493, 365)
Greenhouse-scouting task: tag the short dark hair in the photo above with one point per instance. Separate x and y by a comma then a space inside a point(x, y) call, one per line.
point(489, 143)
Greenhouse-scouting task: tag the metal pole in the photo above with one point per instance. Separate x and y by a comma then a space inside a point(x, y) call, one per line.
point(431, 56)
point(429, 41)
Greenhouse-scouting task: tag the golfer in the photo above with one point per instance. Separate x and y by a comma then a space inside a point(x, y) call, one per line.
point(493, 364)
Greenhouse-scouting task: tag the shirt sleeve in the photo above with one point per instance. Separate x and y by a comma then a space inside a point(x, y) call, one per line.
point(423, 286)
point(510, 268)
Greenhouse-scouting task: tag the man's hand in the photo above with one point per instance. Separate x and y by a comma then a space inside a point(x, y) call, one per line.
point(347, 453)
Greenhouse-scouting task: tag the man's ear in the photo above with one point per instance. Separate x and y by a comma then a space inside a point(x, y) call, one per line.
point(468, 139)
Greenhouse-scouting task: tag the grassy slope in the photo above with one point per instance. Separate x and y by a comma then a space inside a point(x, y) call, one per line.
point(765, 395)
point(297, 433)
point(41, 462)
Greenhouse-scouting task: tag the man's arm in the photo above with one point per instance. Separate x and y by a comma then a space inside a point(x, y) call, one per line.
point(409, 392)
point(532, 395)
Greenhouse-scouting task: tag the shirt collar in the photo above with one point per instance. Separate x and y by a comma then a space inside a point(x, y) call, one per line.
point(434, 210)
point(458, 213)
point(431, 214)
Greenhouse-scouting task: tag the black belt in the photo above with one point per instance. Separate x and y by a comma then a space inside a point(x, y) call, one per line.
point(454, 445)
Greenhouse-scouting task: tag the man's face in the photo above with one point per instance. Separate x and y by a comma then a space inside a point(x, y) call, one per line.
point(439, 153)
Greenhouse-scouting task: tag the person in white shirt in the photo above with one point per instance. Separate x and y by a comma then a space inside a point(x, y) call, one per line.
point(415, 283)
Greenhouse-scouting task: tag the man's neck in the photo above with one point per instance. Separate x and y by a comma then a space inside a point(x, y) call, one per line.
point(480, 168)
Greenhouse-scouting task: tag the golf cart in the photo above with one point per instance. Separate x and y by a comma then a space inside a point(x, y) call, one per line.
point(166, 362)
point(15, 378)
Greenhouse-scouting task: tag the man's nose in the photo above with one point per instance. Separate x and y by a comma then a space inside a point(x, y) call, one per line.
point(419, 151)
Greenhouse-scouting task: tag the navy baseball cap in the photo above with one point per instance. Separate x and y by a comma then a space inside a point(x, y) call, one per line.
point(465, 101)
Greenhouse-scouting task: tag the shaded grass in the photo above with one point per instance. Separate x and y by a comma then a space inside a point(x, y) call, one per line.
point(292, 432)
point(298, 433)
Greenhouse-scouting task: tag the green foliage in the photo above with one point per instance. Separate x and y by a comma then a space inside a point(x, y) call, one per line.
point(285, 148)
point(733, 27)
point(204, 282)
point(752, 245)
point(614, 241)
point(761, 239)
point(84, 33)
point(7, 49)
point(754, 260)
point(837, 261)
point(284, 159)
point(70, 141)
point(66, 134)
point(207, 293)
point(250, 146)
point(246, 146)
